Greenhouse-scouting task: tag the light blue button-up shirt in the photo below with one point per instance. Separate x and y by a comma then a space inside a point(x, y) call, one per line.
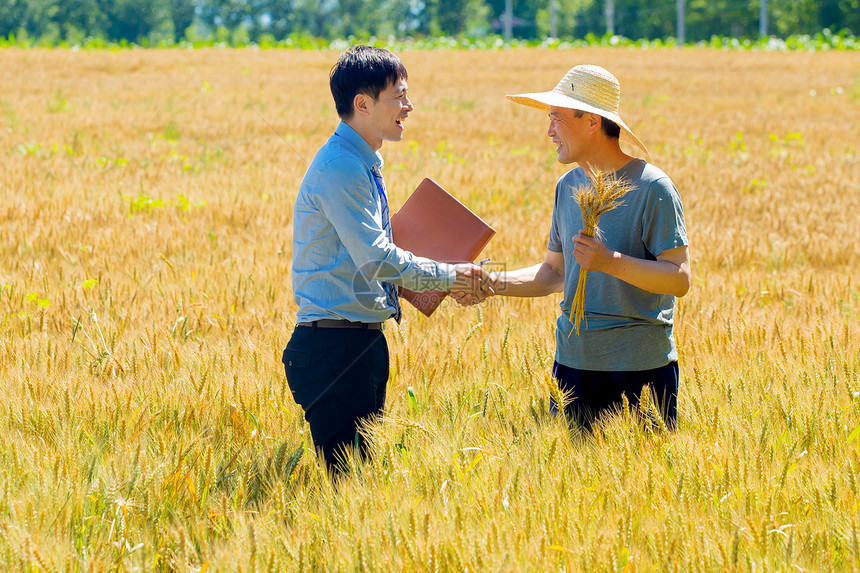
point(341, 251)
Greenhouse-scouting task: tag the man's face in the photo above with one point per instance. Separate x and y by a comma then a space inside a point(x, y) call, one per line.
point(388, 112)
point(567, 132)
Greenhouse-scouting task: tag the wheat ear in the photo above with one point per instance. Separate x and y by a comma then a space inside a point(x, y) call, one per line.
point(603, 194)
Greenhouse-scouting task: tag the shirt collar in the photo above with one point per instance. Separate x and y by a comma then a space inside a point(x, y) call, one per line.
point(367, 154)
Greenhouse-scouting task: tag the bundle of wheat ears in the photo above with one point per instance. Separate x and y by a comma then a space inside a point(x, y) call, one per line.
point(602, 195)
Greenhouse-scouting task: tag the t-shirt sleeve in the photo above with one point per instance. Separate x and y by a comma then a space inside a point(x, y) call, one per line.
point(554, 243)
point(663, 225)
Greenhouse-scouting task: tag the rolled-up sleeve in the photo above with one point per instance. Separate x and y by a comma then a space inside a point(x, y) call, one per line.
point(349, 200)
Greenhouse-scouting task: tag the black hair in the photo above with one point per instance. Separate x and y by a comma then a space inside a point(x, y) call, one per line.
point(363, 69)
point(609, 127)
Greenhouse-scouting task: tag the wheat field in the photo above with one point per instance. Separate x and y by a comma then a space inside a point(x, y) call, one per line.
point(145, 227)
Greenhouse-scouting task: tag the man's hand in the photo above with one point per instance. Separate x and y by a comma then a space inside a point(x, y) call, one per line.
point(472, 286)
point(669, 274)
point(591, 253)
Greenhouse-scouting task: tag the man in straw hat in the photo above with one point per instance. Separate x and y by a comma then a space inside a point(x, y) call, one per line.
point(345, 268)
point(637, 265)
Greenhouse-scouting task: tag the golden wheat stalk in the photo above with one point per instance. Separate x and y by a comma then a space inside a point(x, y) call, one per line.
point(602, 195)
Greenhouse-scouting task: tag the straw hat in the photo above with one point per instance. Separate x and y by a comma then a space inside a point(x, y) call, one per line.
point(587, 88)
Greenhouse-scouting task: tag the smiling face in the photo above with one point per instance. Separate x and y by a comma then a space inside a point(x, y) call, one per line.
point(387, 113)
point(568, 133)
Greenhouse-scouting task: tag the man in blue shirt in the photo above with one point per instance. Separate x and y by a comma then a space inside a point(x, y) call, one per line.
point(345, 269)
point(635, 270)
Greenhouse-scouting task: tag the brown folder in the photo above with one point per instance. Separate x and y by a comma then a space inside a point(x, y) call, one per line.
point(433, 224)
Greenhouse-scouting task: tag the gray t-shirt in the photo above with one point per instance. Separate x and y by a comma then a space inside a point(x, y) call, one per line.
point(625, 327)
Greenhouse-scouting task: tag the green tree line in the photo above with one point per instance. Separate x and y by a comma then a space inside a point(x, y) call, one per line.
point(169, 21)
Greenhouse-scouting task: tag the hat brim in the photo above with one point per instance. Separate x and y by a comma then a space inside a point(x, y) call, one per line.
point(545, 100)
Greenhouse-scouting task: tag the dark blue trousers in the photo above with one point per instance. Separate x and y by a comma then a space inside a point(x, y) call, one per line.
point(338, 377)
point(595, 393)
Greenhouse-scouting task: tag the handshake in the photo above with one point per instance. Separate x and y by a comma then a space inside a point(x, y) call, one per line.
point(473, 285)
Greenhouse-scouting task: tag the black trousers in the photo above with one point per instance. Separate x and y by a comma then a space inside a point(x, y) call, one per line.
point(594, 393)
point(338, 377)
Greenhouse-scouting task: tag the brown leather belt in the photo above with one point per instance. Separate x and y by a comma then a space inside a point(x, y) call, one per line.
point(332, 323)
